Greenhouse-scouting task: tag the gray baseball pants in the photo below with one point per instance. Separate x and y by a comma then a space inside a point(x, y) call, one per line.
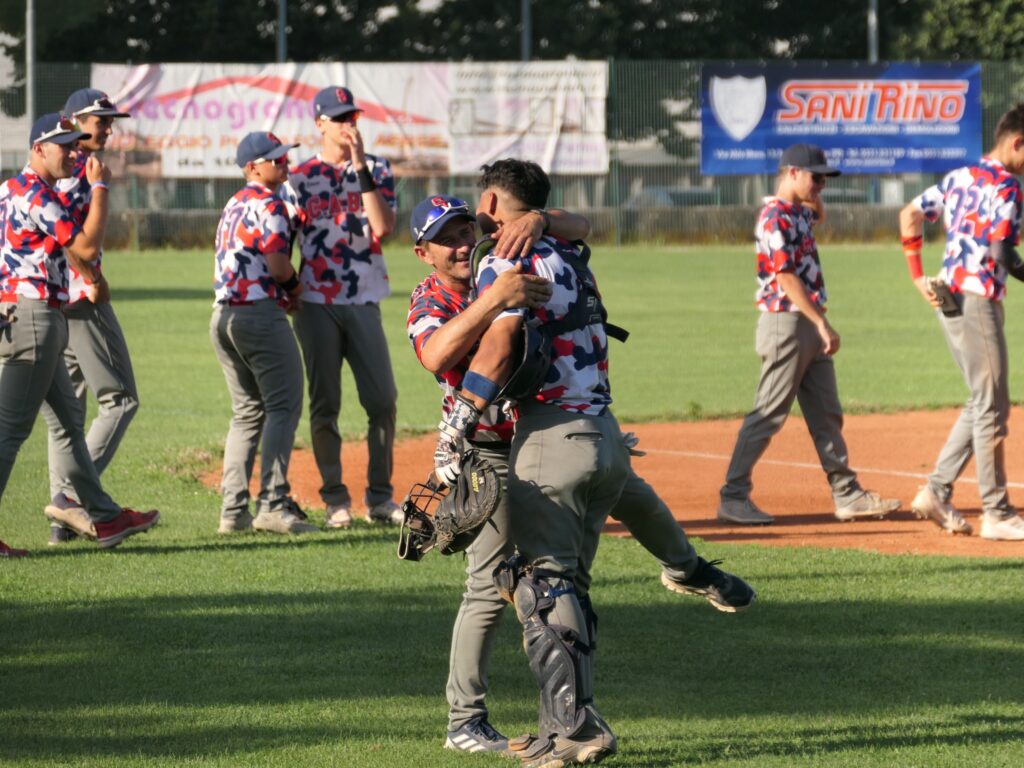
point(257, 352)
point(639, 508)
point(97, 359)
point(329, 335)
point(793, 367)
point(33, 378)
point(978, 346)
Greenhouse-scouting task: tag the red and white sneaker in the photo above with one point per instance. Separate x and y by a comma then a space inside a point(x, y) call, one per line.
point(128, 523)
point(6, 551)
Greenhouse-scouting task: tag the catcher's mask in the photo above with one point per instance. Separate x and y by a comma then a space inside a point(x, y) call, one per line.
point(449, 519)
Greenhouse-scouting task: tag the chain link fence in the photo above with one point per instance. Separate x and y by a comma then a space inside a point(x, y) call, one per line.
point(653, 192)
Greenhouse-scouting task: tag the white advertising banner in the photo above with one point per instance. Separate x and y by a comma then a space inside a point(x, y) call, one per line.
point(427, 119)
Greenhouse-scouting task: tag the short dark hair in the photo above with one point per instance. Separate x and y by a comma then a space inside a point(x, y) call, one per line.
point(525, 181)
point(1012, 121)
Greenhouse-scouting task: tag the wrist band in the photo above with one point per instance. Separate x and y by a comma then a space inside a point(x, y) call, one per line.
point(101, 185)
point(290, 284)
point(480, 386)
point(366, 182)
point(914, 263)
point(914, 242)
point(545, 216)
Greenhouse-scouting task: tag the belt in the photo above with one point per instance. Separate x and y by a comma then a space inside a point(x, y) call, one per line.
point(238, 303)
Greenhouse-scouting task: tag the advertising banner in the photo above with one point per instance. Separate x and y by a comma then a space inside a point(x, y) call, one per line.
point(871, 119)
point(427, 119)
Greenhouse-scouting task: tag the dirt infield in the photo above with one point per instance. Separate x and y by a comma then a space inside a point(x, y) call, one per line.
point(686, 463)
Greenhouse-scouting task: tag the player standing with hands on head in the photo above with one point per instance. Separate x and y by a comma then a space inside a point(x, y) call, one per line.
point(796, 343)
point(980, 206)
point(344, 201)
point(39, 236)
point(97, 354)
point(255, 283)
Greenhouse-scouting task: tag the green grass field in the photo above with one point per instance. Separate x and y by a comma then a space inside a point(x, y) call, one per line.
point(182, 648)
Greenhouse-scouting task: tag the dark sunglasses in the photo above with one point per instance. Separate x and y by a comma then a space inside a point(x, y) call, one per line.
point(282, 160)
point(348, 117)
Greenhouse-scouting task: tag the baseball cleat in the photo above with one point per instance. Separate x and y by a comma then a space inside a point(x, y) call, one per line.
point(70, 514)
point(387, 512)
point(724, 591)
point(6, 551)
point(60, 535)
point(927, 506)
point(868, 504)
point(281, 522)
point(110, 533)
point(235, 523)
point(588, 746)
point(742, 512)
point(292, 506)
point(339, 516)
point(476, 736)
point(1002, 529)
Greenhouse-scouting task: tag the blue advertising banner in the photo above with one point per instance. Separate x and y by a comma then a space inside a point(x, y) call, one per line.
point(869, 118)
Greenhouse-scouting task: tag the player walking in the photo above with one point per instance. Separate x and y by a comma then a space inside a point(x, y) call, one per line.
point(980, 206)
point(39, 236)
point(97, 356)
point(344, 200)
point(254, 283)
point(796, 343)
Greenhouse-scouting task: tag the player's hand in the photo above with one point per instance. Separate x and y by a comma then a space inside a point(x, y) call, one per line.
point(631, 440)
point(515, 238)
point(292, 302)
point(95, 170)
point(829, 337)
point(354, 139)
point(447, 461)
point(924, 286)
point(98, 292)
point(512, 289)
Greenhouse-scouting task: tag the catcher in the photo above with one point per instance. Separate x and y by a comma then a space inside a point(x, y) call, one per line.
point(444, 328)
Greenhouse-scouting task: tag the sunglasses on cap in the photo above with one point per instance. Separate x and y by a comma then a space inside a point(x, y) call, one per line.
point(103, 104)
point(282, 160)
point(435, 213)
point(64, 126)
point(348, 117)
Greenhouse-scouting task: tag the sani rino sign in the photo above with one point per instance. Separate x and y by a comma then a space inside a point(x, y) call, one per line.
point(894, 118)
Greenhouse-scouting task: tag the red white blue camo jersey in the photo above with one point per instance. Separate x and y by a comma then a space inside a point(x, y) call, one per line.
point(980, 204)
point(785, 243)
point(255, 222)
point(35, 226)
point(342, 261)
point(76, 193)
point(578, 378)
point(432, 305)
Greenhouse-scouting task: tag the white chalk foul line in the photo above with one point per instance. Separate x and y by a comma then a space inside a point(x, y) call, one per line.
point(807, 465)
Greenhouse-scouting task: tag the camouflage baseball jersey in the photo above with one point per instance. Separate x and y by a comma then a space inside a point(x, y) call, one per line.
point(255, 222)
point(432, 305)
point(76, 194)
point(980, 204)
point(578, 377)
point(35, 227)
point(342, 261)
point(785, 243)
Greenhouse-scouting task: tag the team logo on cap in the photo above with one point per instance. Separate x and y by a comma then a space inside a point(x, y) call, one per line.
point(440, 202)
point(342, 95)
point(738, 103)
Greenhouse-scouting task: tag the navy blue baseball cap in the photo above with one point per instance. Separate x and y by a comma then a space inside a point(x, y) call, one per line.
point(260, 145)
point(90, 101)
point(430, 215)
point(809, 158)
point(334, 101)
point(54, 128)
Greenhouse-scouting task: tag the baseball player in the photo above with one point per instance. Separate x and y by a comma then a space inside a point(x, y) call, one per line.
point(795, 342)
point(40, 235)
point(97, 355)
point(255, 284)
point(980, 206)
point(344, 201)
point(444, 328)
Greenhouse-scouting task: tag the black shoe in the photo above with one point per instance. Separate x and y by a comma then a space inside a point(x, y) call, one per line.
point(60, 535)
point(723, 590)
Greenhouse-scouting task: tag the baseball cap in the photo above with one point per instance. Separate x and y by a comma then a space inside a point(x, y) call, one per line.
point(54, 128)
point(431, 214)
point(809, 158)
point(260, 145)
point(90, 101)
point(333, 101)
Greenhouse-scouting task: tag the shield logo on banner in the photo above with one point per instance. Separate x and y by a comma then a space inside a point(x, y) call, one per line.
point(738, 103)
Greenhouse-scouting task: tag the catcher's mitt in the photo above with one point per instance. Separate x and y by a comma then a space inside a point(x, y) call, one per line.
point(449, 521)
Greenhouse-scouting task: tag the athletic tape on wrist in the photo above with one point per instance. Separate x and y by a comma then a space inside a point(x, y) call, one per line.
point(100, 185)
point(366, 182)
point(290, 284)
point(480, 386)
point(460, 419)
